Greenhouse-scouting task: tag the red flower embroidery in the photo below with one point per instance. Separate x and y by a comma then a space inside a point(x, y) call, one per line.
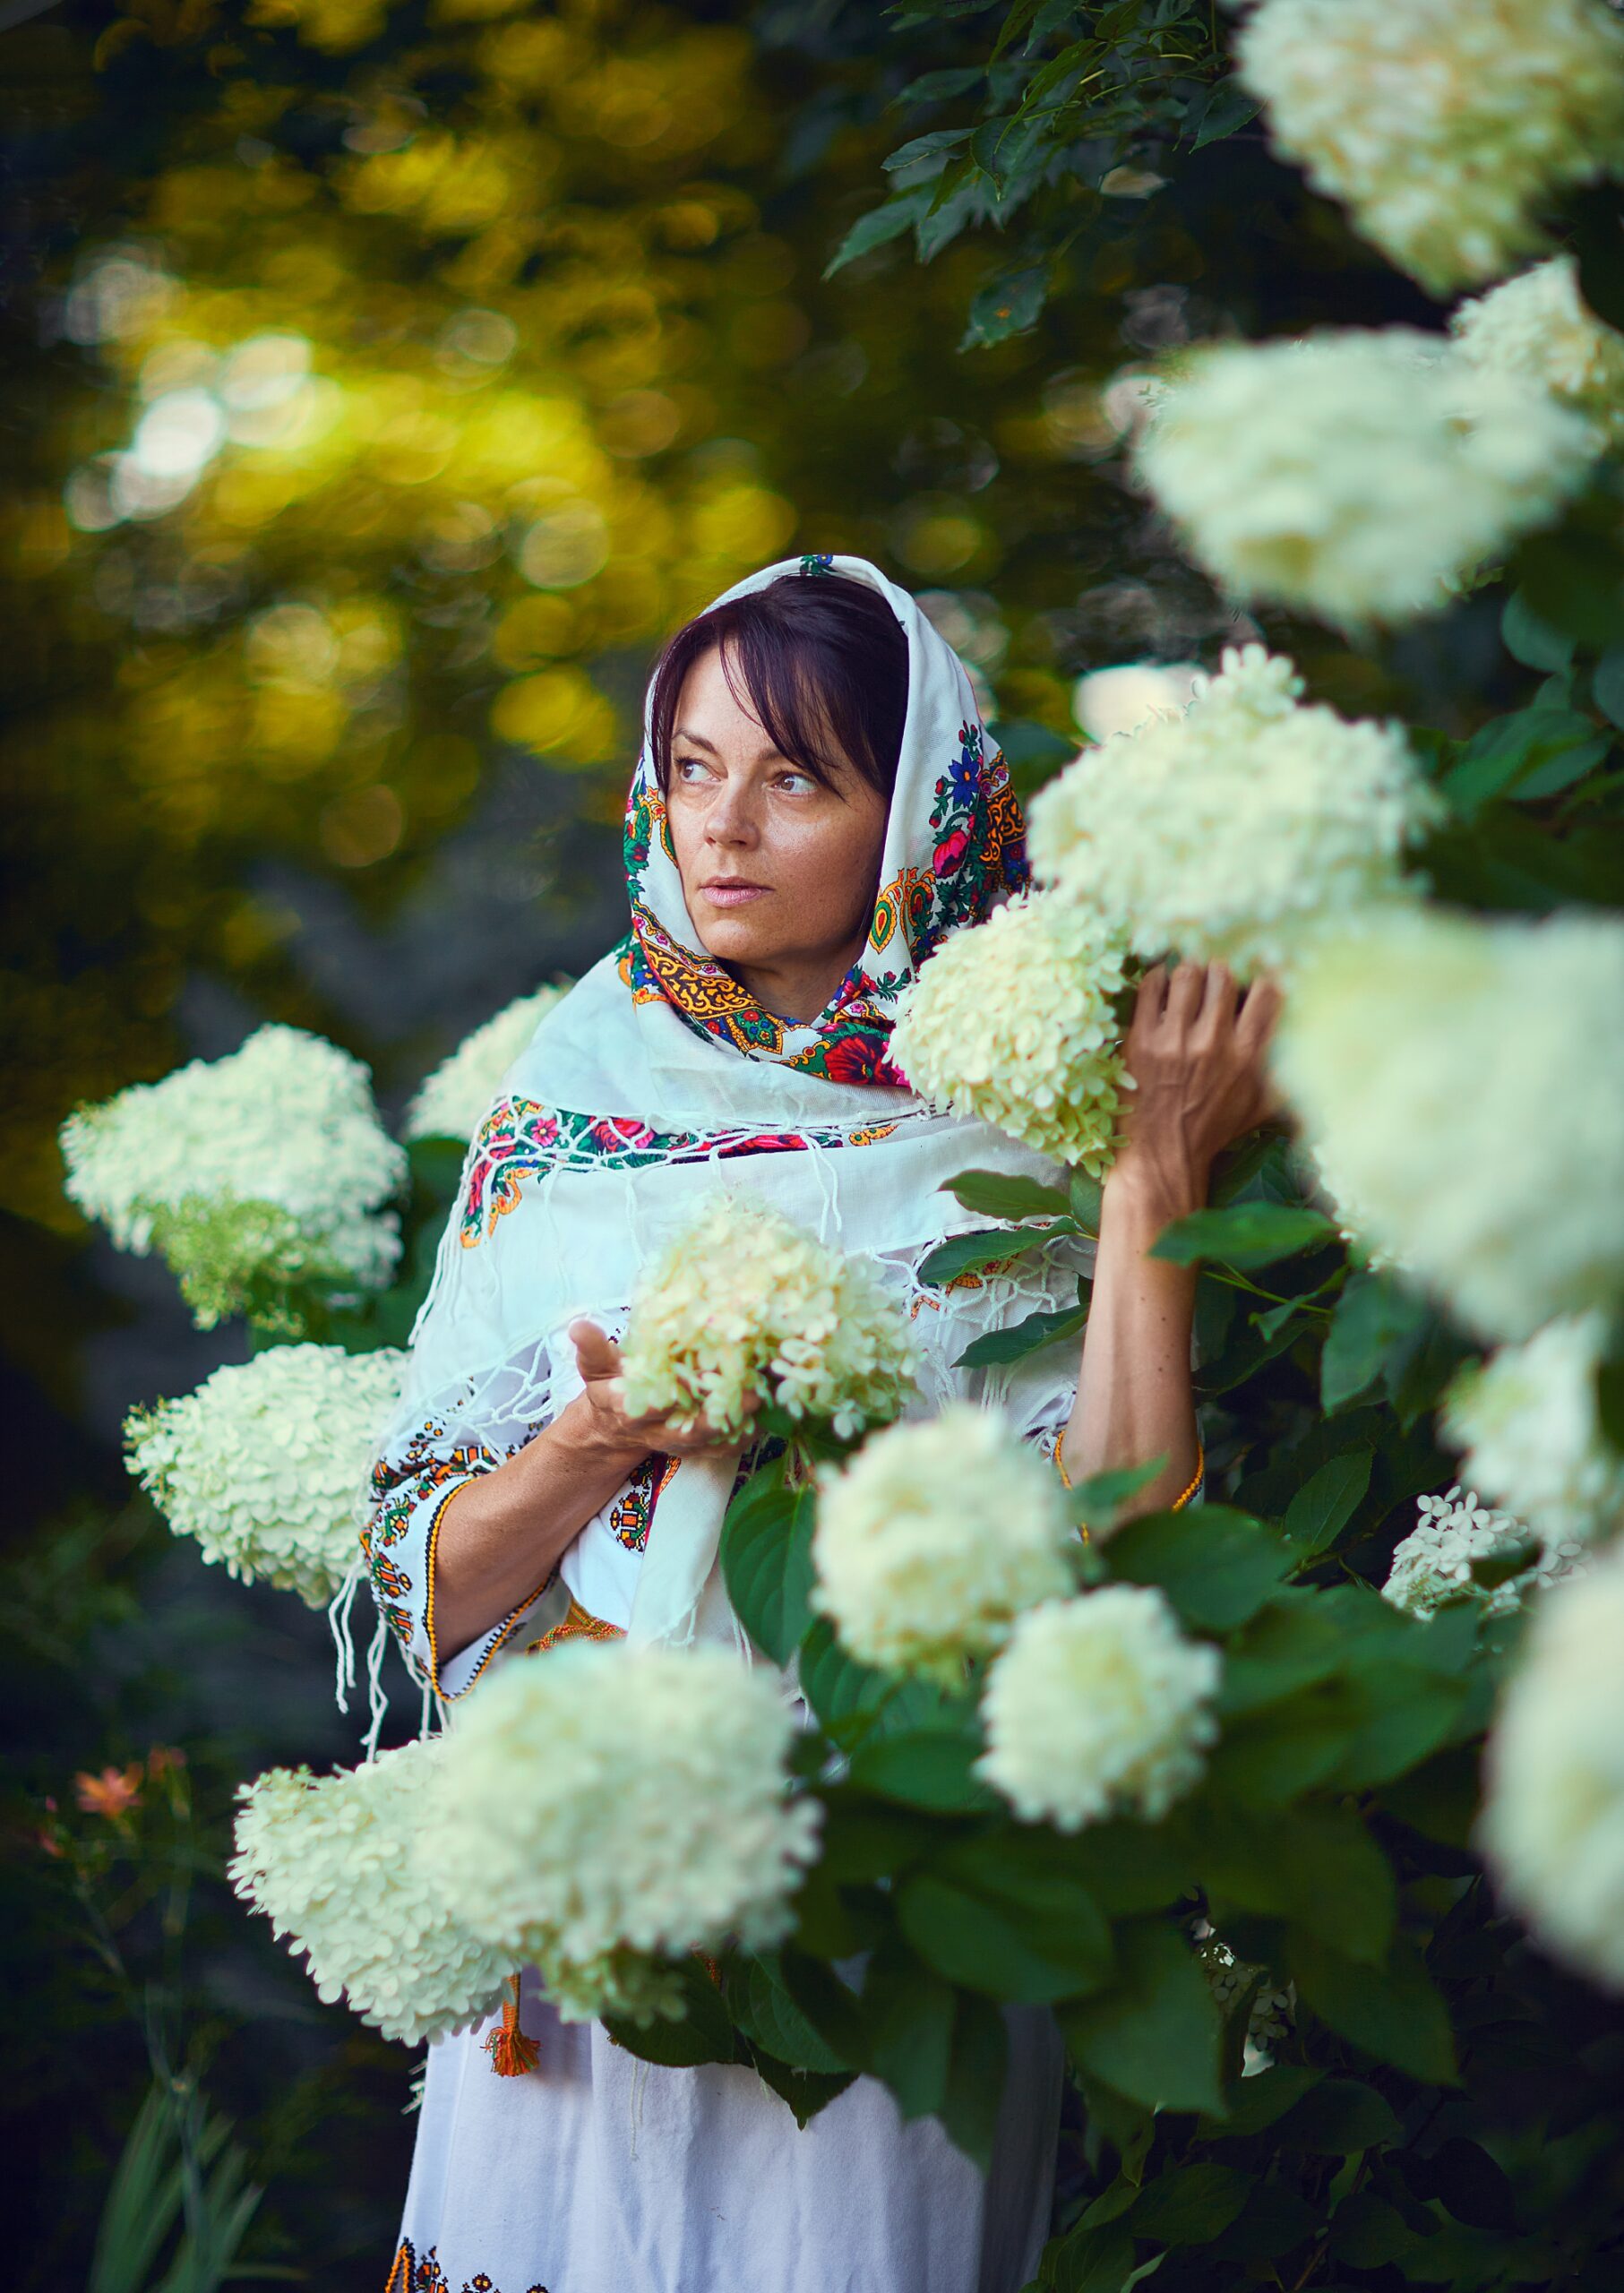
point(950, 852)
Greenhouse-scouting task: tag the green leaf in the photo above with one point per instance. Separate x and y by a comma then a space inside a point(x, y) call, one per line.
point(1155, 2033)
point(1218, 1567)
point(1531, 641)
point(969, 1253)
point(996, 1943)
point(1366, 2231)
point(939, 141)
point(1258, 2101)
point(704, 2034)
point(765, 2012)
point(1338, 2116)
point(1088, 2261)
point(1228, 107)
point(1393, 2011)
point(1132, 1868)
point(1594, 235)
point(1504, 753)
point(878, 228)
point(1373, 1316)
point(909, 2010)
point(1189, 2204)
point(766, 1550)
point(1474, 2186)
point(1097, 1499)
point(1029, 1335)
point(1245, 1235)
point(838, 1688)
point(1607, 684)
point(1088, 1197)
point(1328, 1500)
point(806, 2092)
point(1007, 304)
point(976, 2077)
point(924, 1767)
point(1512, 1557)
point(1289, 1645)
point(938, 87)
point(1001, 1193)
point(1572, 580)
point(1317, 1866)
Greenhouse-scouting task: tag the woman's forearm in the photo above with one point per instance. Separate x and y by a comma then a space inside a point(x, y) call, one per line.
point(501, 1534)
point(1135, 1400)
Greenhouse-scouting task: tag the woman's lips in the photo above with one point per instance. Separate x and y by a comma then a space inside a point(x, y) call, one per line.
point(724, 893)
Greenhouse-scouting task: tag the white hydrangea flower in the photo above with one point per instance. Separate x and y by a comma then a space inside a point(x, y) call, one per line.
point(1273, 2012)
point(1552, 1823)
point(269, 1167)
point(454, 1100)
point(935, 1537)
point(265, 1463)
point(1131, 693)
point(1011, 1020)
point(1530, 1424)
point(744, 1302)
point(1433, 1563)
point(1238, 828)
point(1538, 328)
point(329, 1861)
point(612, 1800)
point(1098, 1705)
point(1355, 475)
point(1464, 1081)
point(1445, 125)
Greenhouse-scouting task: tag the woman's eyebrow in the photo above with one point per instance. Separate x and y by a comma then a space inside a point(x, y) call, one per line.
point(697, 741)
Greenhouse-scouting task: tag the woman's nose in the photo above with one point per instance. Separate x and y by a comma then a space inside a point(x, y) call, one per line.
point(731, 818)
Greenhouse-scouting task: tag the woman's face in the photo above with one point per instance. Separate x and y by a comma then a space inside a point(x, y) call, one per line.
point(779, 871)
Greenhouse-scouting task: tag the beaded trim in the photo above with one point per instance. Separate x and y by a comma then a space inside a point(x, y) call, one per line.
point(1179, 1502)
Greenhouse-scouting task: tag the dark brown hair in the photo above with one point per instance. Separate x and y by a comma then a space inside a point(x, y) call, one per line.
point(823, 664)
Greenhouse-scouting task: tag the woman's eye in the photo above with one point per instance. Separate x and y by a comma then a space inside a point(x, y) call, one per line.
point(688, 768)
point(797, 783)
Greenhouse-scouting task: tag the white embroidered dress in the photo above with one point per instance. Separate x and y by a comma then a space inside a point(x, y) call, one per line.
point(652, 1083)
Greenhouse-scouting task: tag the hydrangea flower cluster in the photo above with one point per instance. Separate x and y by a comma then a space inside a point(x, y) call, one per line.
point(1464, 1082)
point(1529, 1423)
point(742, 1302)
point(1538, 327)
point(265, 1465)
point(1013, 1020)
point(1238, 828)
point(1098, 1705)
point(1552, 1823)
point(1443, 127)
point(934, 1538)
point(1268, 2025)
point(615, 1800)
point(1433, 1563)
point(327, 1860)
point(454, 1100)
point(259, 1171)
point(1355, 475)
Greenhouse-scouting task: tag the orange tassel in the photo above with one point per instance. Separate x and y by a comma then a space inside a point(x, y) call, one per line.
point(511, 2053)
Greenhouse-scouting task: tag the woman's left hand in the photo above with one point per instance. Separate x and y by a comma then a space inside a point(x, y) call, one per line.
point(1197, 1050)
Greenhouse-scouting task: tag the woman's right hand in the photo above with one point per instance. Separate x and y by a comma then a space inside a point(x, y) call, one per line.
point(600, 1420)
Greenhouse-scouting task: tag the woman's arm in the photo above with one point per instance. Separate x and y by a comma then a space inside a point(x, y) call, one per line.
point(501, 1535)
point(1195, 1049)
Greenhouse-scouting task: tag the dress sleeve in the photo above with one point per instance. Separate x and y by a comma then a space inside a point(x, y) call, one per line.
point(415, 1482)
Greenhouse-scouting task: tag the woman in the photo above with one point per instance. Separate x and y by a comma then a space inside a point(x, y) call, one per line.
point(815, 805)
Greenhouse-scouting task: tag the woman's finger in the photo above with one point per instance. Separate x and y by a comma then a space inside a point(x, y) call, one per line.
point(1219, 997)
point(1184, 991)
point(596, 1355)
point(1152, 994)
point(1258, 1015)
